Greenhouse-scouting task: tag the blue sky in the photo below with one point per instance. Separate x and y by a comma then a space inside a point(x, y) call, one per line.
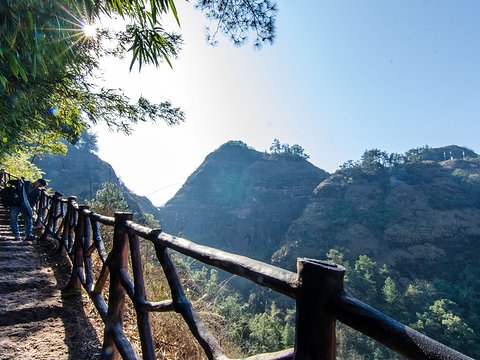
point(341, 77)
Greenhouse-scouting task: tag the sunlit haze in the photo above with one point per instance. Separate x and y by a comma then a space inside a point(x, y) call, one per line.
point(341, 77)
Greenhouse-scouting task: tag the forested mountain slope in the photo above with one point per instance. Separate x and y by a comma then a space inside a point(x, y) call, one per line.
point(406, 227)
point(242, 200)
point(81, 173)
point(418, 215)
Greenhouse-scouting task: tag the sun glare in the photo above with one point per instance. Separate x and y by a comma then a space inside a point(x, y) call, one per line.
point(90, 30)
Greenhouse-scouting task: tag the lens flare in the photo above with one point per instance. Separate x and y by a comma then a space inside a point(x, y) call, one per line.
point(89, 30)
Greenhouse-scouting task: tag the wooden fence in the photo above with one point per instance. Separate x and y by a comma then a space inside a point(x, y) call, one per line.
point(317, 288)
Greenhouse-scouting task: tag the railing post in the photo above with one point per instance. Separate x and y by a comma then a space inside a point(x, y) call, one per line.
point(116, 295)
point(57, 209)
point(320, 286)
point(68, 226)
point(3, 178)
point(87, 240)
point(50, 228)
point(143, 321)
point(42, 208)
point(77, 275)
point(97, 239)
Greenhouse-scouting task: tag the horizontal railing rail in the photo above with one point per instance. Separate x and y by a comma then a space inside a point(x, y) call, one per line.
point(5, 177)
point(316, 287)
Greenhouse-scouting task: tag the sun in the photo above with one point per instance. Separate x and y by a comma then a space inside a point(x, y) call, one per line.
point(89, 30)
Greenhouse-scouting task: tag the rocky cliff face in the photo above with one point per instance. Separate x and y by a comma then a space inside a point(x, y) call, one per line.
point(419, 214)
point(241, 201)
point(422, 217)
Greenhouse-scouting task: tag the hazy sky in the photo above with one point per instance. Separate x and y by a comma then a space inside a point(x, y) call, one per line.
point(341, 77)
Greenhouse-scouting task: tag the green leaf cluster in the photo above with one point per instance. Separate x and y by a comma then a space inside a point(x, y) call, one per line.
point(237, 19)
point(20, 164)
point(251, 326)
point(48, 64)
point(108, 200)
point(443, 310)
point(278, 150)
point(48, 67)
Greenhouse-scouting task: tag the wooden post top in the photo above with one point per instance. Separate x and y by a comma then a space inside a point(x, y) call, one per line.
point(156, 232)
point(319, 275)
point(318, 265)
point(123, 216)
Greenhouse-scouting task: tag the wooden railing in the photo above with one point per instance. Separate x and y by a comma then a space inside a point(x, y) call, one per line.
point(5, 177)
point(317, 288)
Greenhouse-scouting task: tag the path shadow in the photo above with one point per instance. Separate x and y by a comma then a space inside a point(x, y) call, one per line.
point(80, 334)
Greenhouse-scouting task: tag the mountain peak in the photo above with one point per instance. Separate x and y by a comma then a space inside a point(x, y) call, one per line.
point(238, 198)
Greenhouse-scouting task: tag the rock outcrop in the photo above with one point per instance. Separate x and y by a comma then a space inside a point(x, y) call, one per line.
point(421, 218)
point(241, 200)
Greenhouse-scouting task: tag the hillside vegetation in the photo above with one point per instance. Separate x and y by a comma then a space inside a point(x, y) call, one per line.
point(242, 200)
point(80, 172)
point(406, 227)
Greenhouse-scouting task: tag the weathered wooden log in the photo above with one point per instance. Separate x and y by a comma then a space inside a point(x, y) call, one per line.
point(140, 297)
point(77, 278)
point(105, 220)
point(397, 336)
point(182, 305)
point(160, 306)
point(280, 280)
point(53, 209)
point(97, 239)
point(287, 354)
point(91, 250)
point(126, 283)
point(103, 277)
point(319, 288)
point(87, 258)
point(64, 227)
point(67, 226)
point(121, 343)
point(100, 304)
point(73, 222)
point(60, 214)
point(42, 209)
point(116, 300)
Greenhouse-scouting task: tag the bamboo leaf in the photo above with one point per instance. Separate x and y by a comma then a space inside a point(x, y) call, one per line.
point(12, 61)
point(30, 18)
point(34, 66)
point(3, 81)
point(174, 11)
point(154, 11)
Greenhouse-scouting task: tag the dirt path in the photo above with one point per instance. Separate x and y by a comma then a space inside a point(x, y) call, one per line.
point(37, 320)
